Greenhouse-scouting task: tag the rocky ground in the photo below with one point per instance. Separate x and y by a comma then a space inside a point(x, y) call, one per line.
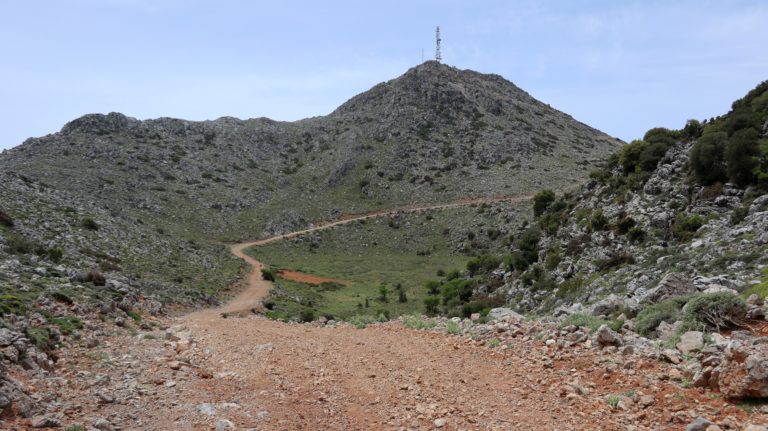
point(205, 371)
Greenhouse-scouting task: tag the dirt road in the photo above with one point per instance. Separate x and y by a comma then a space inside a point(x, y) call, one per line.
point(256, 288)
point(240, 371)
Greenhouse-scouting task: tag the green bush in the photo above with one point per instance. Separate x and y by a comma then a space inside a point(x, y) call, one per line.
point(418, 322)
point(11, 304)
point(307, 315)
point(528, 250)
point(741, 156)
point(693, 129)
point(650, 317)
point(636, 235)
point(360, 321)
point(267, 274)
point(625, 224)
point(431, 305)
point(484, 263)
point(41, 338)
point(541, 201)
point(68, 325)
point(570, 288)
point(433, 287)
point(598, 221)
point(5, 220)
point(715, 311)
point(19, 245)
point(685, 227)
point(617, 258)
point(90, 224)
point(588, 321)
point(452, 275)
point(707, 158)
point(457, 291)
point(55, 254)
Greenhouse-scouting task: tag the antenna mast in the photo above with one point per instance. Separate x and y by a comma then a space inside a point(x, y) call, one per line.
point(438, 57)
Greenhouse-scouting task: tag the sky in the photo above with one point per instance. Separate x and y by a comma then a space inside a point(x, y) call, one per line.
point(620, 66)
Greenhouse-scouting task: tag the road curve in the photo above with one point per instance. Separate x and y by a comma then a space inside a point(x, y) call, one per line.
point(257, 288)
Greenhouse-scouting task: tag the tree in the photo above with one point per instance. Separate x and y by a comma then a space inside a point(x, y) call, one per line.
point(741, 156)
point(693, 129)
point(707, 158)
point(383, 292)
point(541, 201)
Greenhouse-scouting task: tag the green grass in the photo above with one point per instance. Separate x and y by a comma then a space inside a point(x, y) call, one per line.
point(760, 289)
point(419, 322)
point(453, 328)
point(365, 256)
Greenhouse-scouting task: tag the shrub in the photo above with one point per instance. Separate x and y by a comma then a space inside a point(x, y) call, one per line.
point(383, 292)
point(570, 288)
point(55, 254)
point(741, 156)
point(598, 221)
point(452, 328)
point(452, 275)
point(401, 296)
point(541, 201)
point(68, 325)
point(685, 227)
point(11, 304)
point(433, 287)
point(360, 321)
point(418, 322)
point(307, 315)
point(692, 129)
point(583, 320)
point(715, 311)
point(90, 224)
point(41, 338)
point(484, 263)
point(431, 305)
point(650, 317)
point(19, 245)
point(739, 214)
point(636, 235)
point(625, 224)
point(457, 291)
point(5, 220)
point(617, 258)
point(707, 158)
point(528, 250)
point(267, 274)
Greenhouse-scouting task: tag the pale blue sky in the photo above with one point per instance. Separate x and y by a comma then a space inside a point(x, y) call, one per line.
point(620, 66)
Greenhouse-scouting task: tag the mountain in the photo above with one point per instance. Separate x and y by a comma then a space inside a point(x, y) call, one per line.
point(434, 134)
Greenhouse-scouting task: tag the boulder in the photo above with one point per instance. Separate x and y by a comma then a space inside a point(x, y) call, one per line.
point(690, 341)
point(698, 424)
point(743, 373)
point(605, 336)
point(673, 284)
point(505, 313)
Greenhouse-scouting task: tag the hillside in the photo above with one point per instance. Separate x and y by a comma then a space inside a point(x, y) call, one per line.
point(434, 134)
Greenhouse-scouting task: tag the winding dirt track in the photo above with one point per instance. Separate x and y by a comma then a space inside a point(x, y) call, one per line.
point(257, 289)
point(246, 372)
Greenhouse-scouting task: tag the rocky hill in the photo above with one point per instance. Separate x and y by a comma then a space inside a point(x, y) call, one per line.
point(654, 220)
point(434, 134)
